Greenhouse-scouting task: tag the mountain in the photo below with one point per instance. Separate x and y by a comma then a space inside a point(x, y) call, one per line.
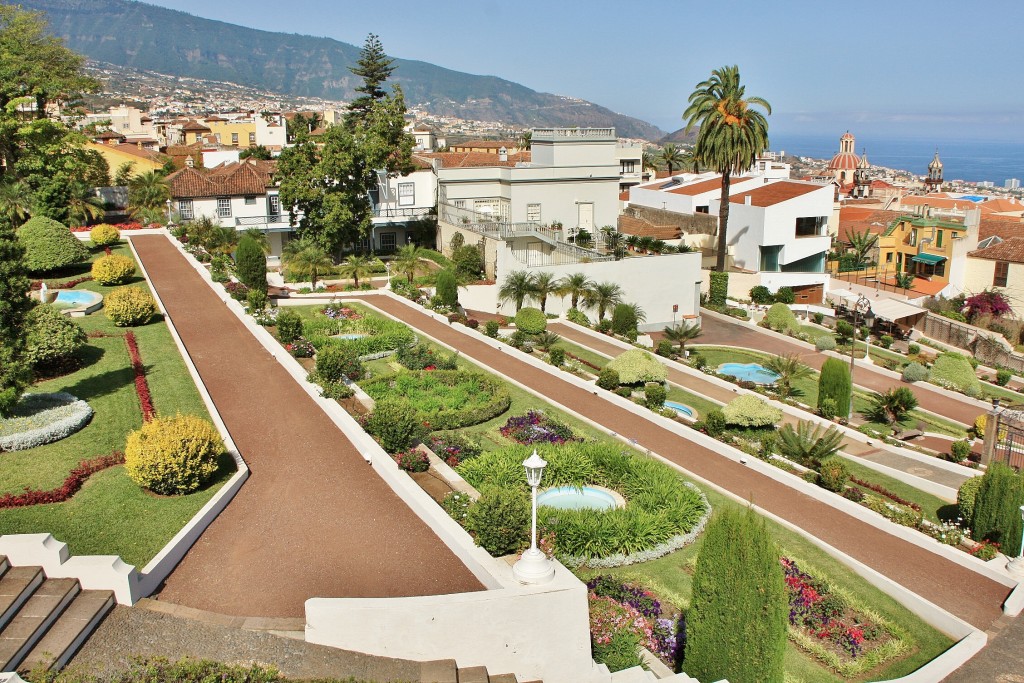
point(141, 36)
point(680, 137)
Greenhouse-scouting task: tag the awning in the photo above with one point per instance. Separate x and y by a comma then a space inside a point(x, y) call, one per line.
point(929, 259)
point(841, 295)
point(893, 310)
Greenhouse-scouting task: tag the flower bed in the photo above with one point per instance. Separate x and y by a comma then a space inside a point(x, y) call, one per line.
point(339, 312)
point(629, 611)
point(72, 483)
point(141, 385)
point(453, 447)
point(445, 399)
point(43, 418)
point(120, 226)
point(536, 427)
point(381, 336)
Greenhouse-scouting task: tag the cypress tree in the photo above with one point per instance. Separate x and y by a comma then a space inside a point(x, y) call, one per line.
point(997, 508)
point(251, 264)
point(623, 319)
point(834, 383)
point(374, 67)
point(448, 288)
point(737, 621)
point(15, 372)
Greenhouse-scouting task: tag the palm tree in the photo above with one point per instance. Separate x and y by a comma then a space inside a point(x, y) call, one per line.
point(575, 285)
point(649, 160)
point(658, 246)
point(544, 285)
point(545, 340)
point(638, 313)
point(603, 296)
point(407, 260)
point(732, 134)
point(645, 243)
point(83, 204)
point(355, 267)
point(304, 257)
point(682, 333)
point(809, 444)
point(672, 156)
point(15, 201)
point(862, 243)
point(517, 287)
point(525, 140)
point(788, 368)
point(904, 281)
point(632, 241)
point(260, 238)
point(891, 406)
point(615, 243)
point(148, 190)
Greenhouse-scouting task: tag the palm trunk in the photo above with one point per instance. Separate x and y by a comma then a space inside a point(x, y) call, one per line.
point(723, 224)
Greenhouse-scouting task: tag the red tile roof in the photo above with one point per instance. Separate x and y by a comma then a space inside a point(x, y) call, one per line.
point(1000, 226)
point(486, 144)
point(243, 178)
point(194, 125)
point(855, 219)
point(775, 193)
point(475, 159)
point(1011, 249)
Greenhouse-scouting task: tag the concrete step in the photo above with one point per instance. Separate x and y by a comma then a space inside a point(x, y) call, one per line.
point(473, 674)
point(4, 565)
point(504, 678)
point(34, 618)
point(439, 671)
point(16, 585)
point(69, 632)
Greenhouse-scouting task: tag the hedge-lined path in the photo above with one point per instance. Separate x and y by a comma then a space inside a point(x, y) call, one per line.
point(971, 596)
point(313, 519)
point(703, 387)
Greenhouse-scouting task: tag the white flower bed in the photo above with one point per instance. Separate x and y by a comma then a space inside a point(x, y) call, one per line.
point(43, 418)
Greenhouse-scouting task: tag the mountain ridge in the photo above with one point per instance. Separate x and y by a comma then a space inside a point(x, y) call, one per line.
point(142, 36)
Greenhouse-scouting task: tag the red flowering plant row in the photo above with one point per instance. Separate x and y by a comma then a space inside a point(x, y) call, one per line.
point(141, 385)
point(131, 225)
point(72, 483)
point(881, 490)
point(576, 358)
point(60, 284)
point(412, 460)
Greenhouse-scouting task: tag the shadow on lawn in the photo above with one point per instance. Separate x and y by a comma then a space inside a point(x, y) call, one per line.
point(103, 384)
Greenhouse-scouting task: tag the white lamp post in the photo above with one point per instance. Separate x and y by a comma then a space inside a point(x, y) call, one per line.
point(387, 267)
point(1016, 565)
point(534, 567)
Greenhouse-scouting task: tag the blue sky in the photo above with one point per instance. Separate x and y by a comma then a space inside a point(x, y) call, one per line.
point(888, 69)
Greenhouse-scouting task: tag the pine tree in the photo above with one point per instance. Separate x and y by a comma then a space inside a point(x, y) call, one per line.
point(374, 67)
point(251, 264)
point(448, 288)
point(736, 625)
point(997, 508)
point(15, 372)
point(834, 383)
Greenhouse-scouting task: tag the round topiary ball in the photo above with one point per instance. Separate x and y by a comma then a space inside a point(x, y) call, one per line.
point(113, 270)
point(173, 456)
point(103, 235)
point(531, 320)
point(129, 306)
point(49, 245)
point(53, 338)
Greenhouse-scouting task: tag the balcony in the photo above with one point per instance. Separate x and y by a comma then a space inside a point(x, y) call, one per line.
point(277, 222)
point(573, 133)
point(402, 212)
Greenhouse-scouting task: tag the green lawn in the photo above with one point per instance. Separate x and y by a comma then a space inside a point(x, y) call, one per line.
point(698, 403)
point(931, 506)
point(94, 521)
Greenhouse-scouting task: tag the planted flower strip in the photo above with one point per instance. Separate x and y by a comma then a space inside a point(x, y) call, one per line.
point(70, 487)
point(141, 385)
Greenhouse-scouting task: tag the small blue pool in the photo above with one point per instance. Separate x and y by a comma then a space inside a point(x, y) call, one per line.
point(686, 411)
point(974, 198)
point(78, 302)
point(572, 498)
point(748, 372)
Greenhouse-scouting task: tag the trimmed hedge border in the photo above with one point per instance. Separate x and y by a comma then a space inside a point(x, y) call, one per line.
point(500, 402)
point(67, 414)
point(72, 483)
point(141, 385)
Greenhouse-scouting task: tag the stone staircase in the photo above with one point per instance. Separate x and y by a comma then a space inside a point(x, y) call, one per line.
point(446, 671)
point(44, 621)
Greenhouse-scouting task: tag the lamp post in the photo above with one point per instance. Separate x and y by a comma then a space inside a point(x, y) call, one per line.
point(862, 307)
point(534, 567)
point(169, 215)
point(387, 267)
point(1016, 565)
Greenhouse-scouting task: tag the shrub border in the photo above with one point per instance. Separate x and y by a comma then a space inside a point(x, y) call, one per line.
point(72, 483)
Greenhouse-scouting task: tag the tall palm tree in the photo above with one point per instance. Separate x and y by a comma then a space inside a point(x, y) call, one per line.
point(15, 201)
point(355, 267)
point(525, 140)
point(148, 190)
point(788, 368)
point(517, 287)
point(862, 243)
point(809, 444)
point(672, 156)
point(649, 160)
point(732, 134)
point(682, 333)
point(83, 204)
point(407, 260)
point(544, 285)
point(603, 296)
point(575, 285)
point(304, 257)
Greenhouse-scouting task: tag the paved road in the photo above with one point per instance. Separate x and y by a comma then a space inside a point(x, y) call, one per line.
point(964, 593)
point(313, 519)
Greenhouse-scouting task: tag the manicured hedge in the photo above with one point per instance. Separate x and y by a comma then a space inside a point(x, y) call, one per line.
point(953, 371)
point(174, 455)
point(780, 318)
point(996, 515)
point(531, 320)
point(52, 337)
point(718, 289)
point(636, 366)
point(49, 245)
point(750, 411)
point(834, 383)
point(445, 399)
point(43, 418)
point(114, 269)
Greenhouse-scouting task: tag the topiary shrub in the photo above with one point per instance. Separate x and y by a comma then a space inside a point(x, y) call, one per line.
point(49, 245)
point(834, 383)
point(1003, 377)
point(623, 320)
point(915, 372)
point(885, 341)
point(173, 456)
point(557, 356)
point(608, 379)
point(965, 498)
point(780, 318)
point(636, 366)
point(827, 408)
point(737, 623)
point(251, 264)
point(825, 342)
point(761, 295)
point(714, 423)
point(52, 337)
point(960, 450)
point(448, 288)
point(104, 235)
point(491, 328)
point(289, 326)
point(114, 269)
point(818, 318)
point(575, 315)
point(654, 395)
point(996, 515)
point(718, 290)
point(665, 348)
point(129, 306)
point(500, 520)
point(531, 320)
point(833, 475)
point(785, 295)
point(750, 411)
point(335, 362)
point(395, 424)
point(954, 371)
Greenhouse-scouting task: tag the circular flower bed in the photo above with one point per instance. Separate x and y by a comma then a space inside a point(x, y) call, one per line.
point(43, 418)
point(663, 512)
point(445, 399)
point(369, 336)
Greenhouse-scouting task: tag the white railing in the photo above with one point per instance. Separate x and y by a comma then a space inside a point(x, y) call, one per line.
point(548, 133)
point(261, 220)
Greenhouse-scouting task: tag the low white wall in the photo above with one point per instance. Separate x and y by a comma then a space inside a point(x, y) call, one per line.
point(98, 572)
point(479, 298)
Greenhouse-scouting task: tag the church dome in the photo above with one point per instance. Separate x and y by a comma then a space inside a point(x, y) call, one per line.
point(844, 161)
point(935, 165)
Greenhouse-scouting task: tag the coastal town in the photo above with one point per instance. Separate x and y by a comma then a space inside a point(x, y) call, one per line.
point(294, 388)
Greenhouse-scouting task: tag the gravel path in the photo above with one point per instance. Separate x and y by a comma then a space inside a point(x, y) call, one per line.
point(313, 519)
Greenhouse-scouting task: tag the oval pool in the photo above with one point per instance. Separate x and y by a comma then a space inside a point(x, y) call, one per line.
point(575, 498)
point(748, 372)
point(684, 410)
point(80, 299)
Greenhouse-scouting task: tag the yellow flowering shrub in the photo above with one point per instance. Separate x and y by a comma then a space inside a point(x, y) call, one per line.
point(129, 306)
point(113, 270)
point(173, 455)
point(103, 235)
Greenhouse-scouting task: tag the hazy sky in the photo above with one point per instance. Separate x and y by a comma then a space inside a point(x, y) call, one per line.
point(892, 68)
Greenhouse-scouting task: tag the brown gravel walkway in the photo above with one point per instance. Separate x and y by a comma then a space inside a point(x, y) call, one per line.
point(313, 519)
point(966, 594)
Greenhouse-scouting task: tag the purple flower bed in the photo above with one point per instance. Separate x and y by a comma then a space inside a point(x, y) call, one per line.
point(536, 427)
point(336, 312)
point(661, 635)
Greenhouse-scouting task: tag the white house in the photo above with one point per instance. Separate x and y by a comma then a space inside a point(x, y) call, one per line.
point(398, 203)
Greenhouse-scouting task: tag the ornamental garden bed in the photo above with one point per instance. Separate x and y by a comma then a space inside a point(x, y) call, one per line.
point(444, 399)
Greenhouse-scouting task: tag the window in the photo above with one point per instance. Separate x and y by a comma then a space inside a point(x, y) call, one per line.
point(770, 258)
point(459, 203)
point(1002, 273)
point(938, 239)
point(628, 167)
point(913, 237)
point(810, 226)
point(704, 209)
point(940, 269)
point(406, 194)
point(252, 139)
point(888, 257)
point(388, 241)
point(250, 201)
point(185, 209)
point(533, 213)
point(224, 207)
point(274, 205)
point(234, 139)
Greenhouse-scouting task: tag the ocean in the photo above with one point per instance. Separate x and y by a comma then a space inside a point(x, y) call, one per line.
point(973, 161)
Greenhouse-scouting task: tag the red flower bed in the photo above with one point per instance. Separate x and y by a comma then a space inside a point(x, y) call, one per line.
point(120, 226)
point(141, 385)
point(70, 487)
point(57, 284)
point(581, 360)
point(881, 490)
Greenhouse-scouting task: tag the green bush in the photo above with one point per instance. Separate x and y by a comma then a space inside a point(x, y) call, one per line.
point(623, 320)
point(448, 288)
point(915, 372)
point(575, 315)
point(953, 370)
point(469, 261)
point(114, 269)
point(608, 379)
point(885, 341)
point(737, 623)
point(1003, 377)
point(960, 450)
point(996, 515)
point(49, 245)
point(104, 235)
point(173, 455)
point(785, 295)
point(335, 363)
point(129, 306)
point(395, 424)
point(844, 331)
point(557, 356)
point(750, 411)
point(833, 475)
point(444, 399)
point(834, 383)
point(718, 290)
point(965, 498)
point(825, 342)
point(618, 648)
point(251, 264)
point(52, 337)
point(761, 295)
point(380, 334)
point(491, 328)
point(913, 349)
point(531, 320)
point(780, 318)
point(500, 520)
point(289, 325)
point(256, 300)
point(665, 348)
point(827, 408)
point(654, 395)
point(818, 318)
point(636, 366)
